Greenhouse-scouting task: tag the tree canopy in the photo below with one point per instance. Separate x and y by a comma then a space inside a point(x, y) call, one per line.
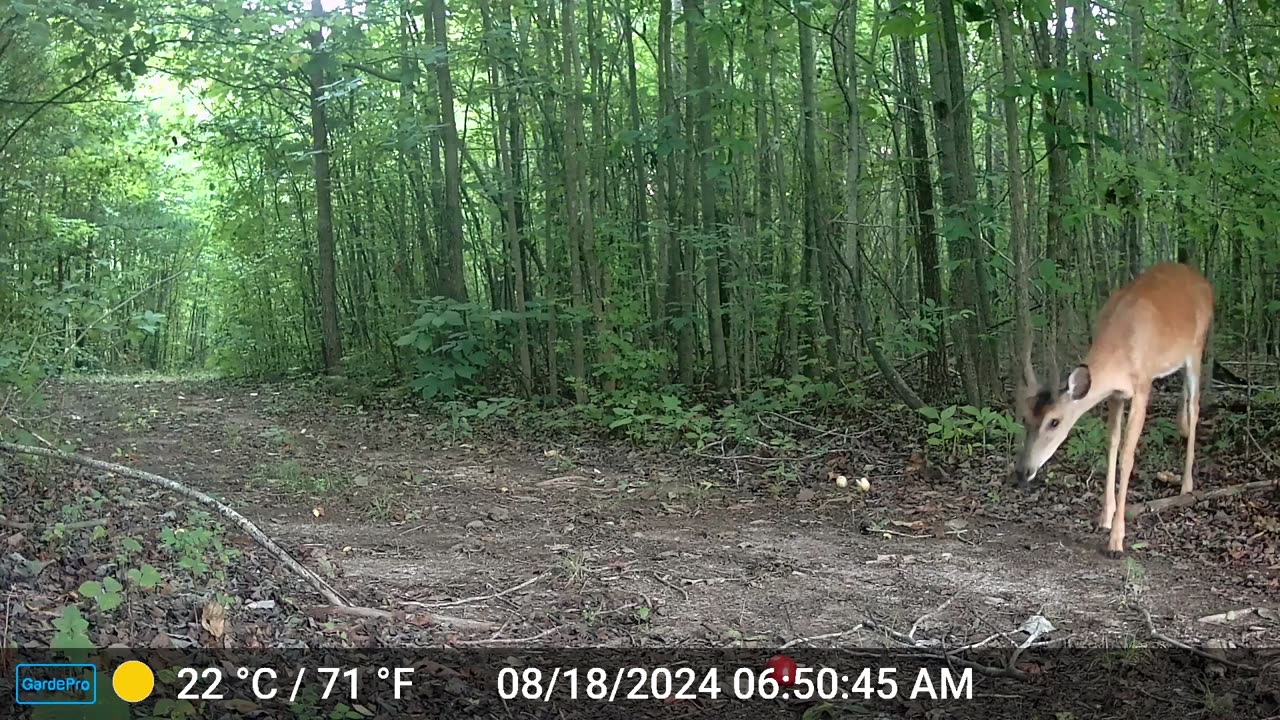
point(631, 206)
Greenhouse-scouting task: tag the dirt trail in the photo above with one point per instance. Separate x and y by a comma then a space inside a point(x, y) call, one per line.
point(630, 549)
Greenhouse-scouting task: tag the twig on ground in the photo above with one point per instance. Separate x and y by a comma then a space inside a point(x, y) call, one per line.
point(1190, 499)
point(895, 533)
point(1231, 615)
point(619, 609)
point(501, 629)
point(981, 643)
point(1156, 634)
point(671, 585)
point(1029, 642)
point(329, 593)
point(478, 598)
point(916, 625)
point(321, 611)
point(16, 423)
point(950, 656)
point(1011, 671)
point(510, 641)
point(1265, 455)
point(825, 636)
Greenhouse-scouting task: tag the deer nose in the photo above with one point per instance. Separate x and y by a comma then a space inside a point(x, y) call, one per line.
point(1023, 477)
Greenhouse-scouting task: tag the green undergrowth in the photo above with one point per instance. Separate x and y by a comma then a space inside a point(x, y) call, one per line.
point(790, 417)
point(664, 417)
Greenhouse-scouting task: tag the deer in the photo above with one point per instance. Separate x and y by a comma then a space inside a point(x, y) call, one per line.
point(1150, 328)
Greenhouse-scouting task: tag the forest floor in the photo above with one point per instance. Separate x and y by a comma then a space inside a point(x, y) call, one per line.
point(590, 544)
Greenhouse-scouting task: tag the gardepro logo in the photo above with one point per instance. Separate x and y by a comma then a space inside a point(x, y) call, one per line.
point(55, 684)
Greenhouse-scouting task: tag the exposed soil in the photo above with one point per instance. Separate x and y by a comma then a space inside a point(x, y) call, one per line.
point(614, 547)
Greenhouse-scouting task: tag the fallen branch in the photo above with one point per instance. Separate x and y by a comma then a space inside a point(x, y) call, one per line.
point(826, 636)
point(323, 611)
point(988, 670)
point(509, 641)
point(951, 656)
point(330, 594)
point(1156, 634)
point(1190, 499)
point(916, 625)
point(478, 598)
point(338, 604)
point(1230, 616)
point(1265, 455)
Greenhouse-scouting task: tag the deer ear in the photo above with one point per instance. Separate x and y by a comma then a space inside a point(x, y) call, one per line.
point(1078, 382)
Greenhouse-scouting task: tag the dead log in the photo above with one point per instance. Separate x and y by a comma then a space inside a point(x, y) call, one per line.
point(240, 521)
point(1192, 498)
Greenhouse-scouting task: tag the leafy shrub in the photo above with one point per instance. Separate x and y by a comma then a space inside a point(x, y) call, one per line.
point(967, 429)
point(649, 417)
point(456, 346)
point(461, 415)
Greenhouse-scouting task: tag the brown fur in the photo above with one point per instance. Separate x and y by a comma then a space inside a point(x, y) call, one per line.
point(1156, 325)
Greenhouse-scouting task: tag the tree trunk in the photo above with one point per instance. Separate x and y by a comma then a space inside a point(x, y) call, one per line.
point(574, 204)
point(594, 193)
point(959, 190)
point(816, 268)
point(920, 182)
point(678, 294)
point(1180, 138)
point(704, 142)
point(1017, 196)
point(650, 286)
point(331, 332)
point(1058, 242)
point(853, 238)
point(1130, 195)
point(502, 64)
point(452, 277)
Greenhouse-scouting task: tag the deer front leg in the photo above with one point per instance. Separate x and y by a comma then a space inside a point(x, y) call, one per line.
point(1137, 415)
point(1115, 412)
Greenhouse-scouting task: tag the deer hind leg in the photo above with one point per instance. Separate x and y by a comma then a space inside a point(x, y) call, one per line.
point(1137, 415)
point(1188, 417)
point(1115, 413)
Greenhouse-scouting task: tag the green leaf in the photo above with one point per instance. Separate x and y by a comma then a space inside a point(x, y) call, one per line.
point(90, 589)
point(110, 601)
point(112, 585)
point(901, 25)
point(72, 629)
point(973, 11)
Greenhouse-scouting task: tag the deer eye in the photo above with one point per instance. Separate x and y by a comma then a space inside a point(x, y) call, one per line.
point(1053, 424)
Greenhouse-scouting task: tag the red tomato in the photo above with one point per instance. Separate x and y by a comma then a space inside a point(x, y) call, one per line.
point(784, 669)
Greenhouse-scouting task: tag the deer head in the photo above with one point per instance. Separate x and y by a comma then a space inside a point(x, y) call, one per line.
point(1047, 415)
